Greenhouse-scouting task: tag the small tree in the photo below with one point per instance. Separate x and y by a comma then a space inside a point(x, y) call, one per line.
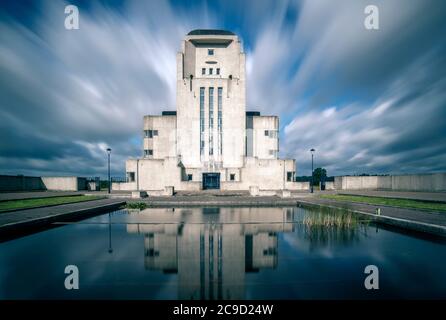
point(319, 174)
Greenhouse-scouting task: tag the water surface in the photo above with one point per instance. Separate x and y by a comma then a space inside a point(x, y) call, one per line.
point(221, 253)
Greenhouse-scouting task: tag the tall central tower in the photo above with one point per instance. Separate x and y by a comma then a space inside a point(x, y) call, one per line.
point(211, 99)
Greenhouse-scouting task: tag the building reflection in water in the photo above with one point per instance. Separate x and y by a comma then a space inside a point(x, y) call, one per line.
point(211, 249)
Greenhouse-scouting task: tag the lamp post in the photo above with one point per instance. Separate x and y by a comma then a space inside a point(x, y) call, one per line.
point(312, 172)
point(109, 184)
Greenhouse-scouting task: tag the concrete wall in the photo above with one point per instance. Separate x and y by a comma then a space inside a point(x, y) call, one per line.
point(413, 182)
point(24, 183)
point(329, 185)
point(65, 183)
point(228, 56)
point(156, 174)
point(20, 183)
point(163, 145)
point(265, 147)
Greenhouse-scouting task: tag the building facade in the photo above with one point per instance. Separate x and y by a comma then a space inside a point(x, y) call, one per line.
point(210, 141)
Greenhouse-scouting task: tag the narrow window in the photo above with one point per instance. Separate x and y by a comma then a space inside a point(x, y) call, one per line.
point(289, 176)
point(211, 121)
point(203, 71)
point(202, 120)
point(266, 133)
point(210, 52)
point(189, 177)
point(211, 71)
point(218, 71)
point(150, 152)
point(219, 121)
point(232, 177)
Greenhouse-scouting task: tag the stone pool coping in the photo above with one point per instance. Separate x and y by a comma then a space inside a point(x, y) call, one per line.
point(17, 223)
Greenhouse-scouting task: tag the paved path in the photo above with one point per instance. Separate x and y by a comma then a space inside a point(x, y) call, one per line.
point(46, 194)
point(23, 220)
point(429, 196)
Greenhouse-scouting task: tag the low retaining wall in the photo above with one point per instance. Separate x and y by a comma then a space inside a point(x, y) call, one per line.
point(20, 183)
point(24, 183)
point(412, 182)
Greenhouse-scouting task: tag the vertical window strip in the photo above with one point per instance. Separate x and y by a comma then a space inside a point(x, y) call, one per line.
point(219, 116)
point(211, 120)
point(202, 120)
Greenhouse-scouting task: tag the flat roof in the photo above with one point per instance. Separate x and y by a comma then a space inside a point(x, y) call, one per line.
point(210, 32)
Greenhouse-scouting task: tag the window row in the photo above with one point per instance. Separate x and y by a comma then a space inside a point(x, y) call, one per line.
point(211, 71)
point(150, 133)
point(271, 133)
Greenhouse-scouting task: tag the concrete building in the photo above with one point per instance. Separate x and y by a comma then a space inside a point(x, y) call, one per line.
point(210, 141)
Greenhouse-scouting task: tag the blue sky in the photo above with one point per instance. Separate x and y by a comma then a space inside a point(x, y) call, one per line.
point(367, 101)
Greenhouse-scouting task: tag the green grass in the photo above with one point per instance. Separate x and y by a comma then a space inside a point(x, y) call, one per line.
point(393, 202)
point(41, 202)
point(136, 205)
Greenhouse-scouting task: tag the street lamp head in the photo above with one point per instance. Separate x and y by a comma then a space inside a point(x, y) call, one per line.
point(312, 150)
point(108, 150)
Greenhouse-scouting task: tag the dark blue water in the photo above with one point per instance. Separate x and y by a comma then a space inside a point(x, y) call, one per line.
point(220, 253)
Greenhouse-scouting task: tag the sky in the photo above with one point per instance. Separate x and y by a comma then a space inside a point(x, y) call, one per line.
point(368, 101)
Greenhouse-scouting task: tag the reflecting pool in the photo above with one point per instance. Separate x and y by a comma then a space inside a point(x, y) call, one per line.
point(222, 253)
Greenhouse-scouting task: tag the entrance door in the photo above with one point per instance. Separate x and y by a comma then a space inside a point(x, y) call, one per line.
point(211, 180)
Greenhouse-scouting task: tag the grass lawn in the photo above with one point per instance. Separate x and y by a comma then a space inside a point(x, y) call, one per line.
point(393, 202)
point(41, 202)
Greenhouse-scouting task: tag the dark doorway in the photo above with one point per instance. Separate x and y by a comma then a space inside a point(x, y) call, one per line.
point(211, 180)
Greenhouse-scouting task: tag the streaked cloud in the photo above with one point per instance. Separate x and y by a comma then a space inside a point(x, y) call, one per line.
point(367, 101)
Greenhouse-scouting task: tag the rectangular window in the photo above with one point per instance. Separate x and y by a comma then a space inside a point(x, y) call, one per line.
point(211, 71)
point(202, 120)
point(148, 133)
point(130, 177)
point(232, 177)
point(211, 121)
point(148, 152)
point(155, 132)
point(218, 71)
point(203, 71)
point(210, 52)
point(289, 176)
point(189, 177)
point(219, 120)
point(266, 133)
